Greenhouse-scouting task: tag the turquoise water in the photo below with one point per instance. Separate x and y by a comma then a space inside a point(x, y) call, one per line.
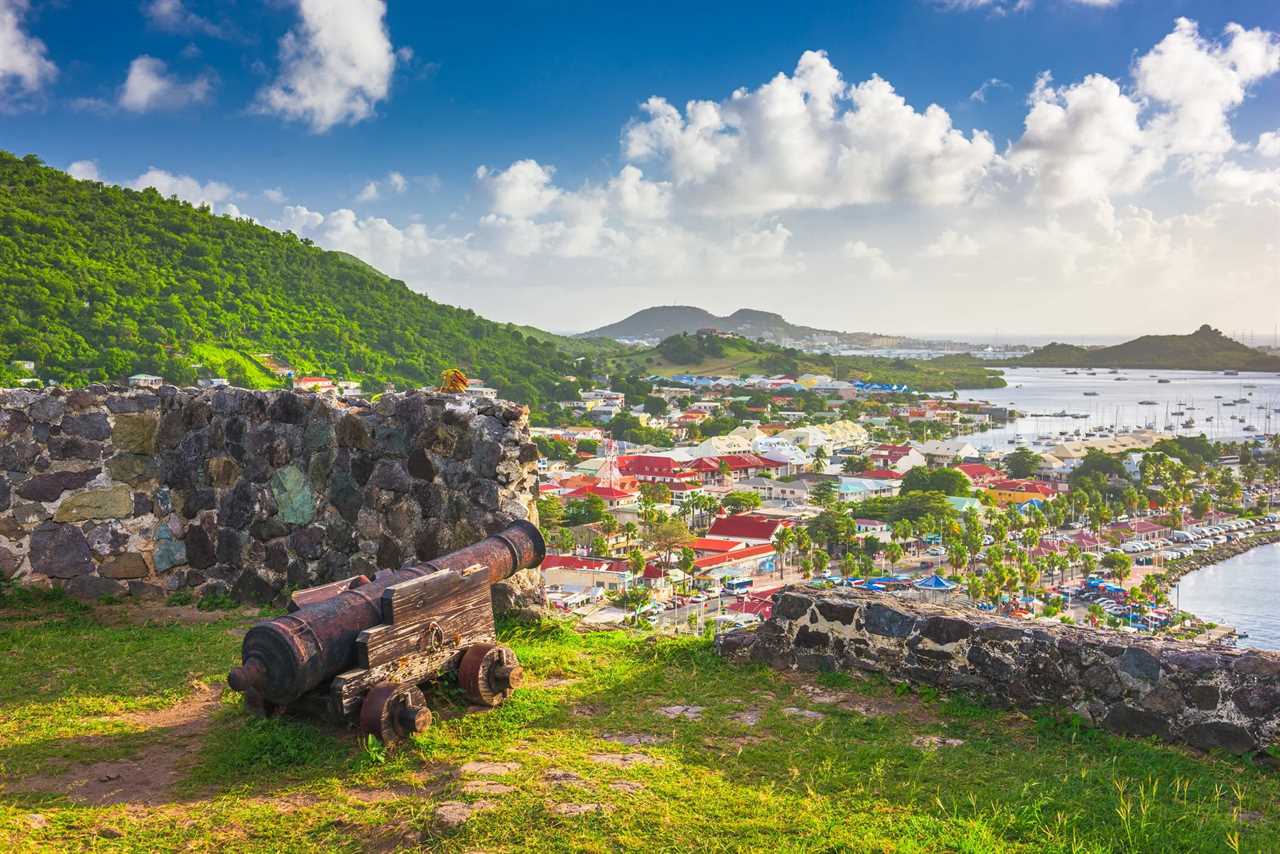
point(1243, 591)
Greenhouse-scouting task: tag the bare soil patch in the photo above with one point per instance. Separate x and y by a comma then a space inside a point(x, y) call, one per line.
point(149, 777)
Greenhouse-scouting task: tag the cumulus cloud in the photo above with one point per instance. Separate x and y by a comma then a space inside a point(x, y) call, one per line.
point(394, 183)
point(1093, 139)
point(83, 170)
point(1269, 144)
point(149, 86)
point(183, 186)
point(335, 65)
point(810, 141)
point(1200, 82)
point(869, 259)
point(172, 16)
point(25, 68)
point(274, 195)
point(952, 244)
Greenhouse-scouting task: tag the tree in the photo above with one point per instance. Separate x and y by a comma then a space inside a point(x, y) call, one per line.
point(823, 494)
point(893, 554)
point(1118, 565)
point(655, 406)
point(585, 510)
point(854, 464)
point(599, 546)
point(564, 542)
point(667, 534)
point(550, 512)
point(947, 481)
point(657, 493)
point(1022, 463)
point(739, 501)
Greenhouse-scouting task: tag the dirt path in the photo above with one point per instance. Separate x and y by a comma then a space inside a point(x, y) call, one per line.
point(148, 777)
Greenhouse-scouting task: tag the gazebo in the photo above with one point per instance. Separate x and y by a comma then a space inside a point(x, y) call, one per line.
point(933, 586)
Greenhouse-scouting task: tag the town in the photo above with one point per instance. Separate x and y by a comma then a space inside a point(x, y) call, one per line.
point(692, 500)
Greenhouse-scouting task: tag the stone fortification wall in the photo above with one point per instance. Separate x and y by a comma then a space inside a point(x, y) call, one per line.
point(1209, 698)
point(108, 491)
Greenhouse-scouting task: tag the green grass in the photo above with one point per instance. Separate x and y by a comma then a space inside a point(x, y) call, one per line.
point(844, 782)
point(216, 358)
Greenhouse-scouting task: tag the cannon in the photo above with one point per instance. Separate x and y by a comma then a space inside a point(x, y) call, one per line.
point(359, 650)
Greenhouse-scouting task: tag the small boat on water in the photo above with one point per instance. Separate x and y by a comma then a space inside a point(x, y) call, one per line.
point(1190, 422)
point(1231, 373)
point(1249, 428)
point(1090, 394)
point(1122, 379)
point(1147, 403)
point(1163, 380)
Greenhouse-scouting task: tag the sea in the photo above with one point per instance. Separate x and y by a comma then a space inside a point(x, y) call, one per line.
point(1058, 405)
point(1243, 591)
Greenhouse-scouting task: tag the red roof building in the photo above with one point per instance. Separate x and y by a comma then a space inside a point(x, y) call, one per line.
point(751, 553)
point(880, 474)
point(978, 474)
point(740, 466)
point(711, 545)
point(612, 496)
point(750, 528)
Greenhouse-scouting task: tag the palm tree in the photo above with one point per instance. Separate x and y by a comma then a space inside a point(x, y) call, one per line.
point(783, 540)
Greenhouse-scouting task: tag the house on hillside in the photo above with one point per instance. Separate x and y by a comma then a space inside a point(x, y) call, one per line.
point(318, 385)
point(146, 381)
point(898, 458)
point(1006, 492)
point(980, 474)
point(944, 452)
point(750, 528)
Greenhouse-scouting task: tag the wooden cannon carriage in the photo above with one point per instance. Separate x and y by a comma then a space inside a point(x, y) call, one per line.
point(359, 651)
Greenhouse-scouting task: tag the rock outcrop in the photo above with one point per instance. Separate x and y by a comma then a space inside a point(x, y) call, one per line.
point(1206, 697)
point(104, 491)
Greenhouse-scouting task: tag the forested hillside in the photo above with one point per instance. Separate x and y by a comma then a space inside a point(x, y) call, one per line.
point(1206, 349)
point(98, 282)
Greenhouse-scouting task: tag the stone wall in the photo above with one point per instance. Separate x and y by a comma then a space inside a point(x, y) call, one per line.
point(108, 491)
point(1206, 697)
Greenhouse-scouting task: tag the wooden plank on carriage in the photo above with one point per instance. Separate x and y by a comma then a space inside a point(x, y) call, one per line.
point(312, 595)
point(410, 600)
point(464, 610)
point(348, 689)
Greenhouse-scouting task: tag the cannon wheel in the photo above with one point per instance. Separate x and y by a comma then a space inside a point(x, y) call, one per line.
point(489, 673)
point(394, 712)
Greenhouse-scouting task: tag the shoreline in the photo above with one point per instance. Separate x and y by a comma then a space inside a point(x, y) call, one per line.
point(1175, 573)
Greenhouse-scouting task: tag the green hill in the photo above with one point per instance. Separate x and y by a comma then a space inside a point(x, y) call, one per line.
point(1206, 349)
point(718, 355)
point(98, 282)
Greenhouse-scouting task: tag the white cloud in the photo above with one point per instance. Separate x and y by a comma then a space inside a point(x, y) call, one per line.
point(869, 259)
point(395, 183)
point(521, 191)
point(1231, 182)
point(172, 16)
point(83, 170)
point(1269, 144)
point(980, 94)
point(952, 244)
point(1084, 141)
point(25, 68)
point(183, 186)
point(1201, 82)
point(335, 65)
point(149, 86)
point(809, 141)
point(275, 195)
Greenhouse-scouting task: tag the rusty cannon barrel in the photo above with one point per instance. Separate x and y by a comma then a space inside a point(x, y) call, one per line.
point(288, 656)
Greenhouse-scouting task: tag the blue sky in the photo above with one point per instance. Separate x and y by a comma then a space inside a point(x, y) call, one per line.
point(364, 125)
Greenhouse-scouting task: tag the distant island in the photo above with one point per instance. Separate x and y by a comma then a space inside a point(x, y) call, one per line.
point(652, 325)
point(1206, 349)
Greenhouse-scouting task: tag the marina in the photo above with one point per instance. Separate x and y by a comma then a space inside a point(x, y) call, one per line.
point(1057, 405)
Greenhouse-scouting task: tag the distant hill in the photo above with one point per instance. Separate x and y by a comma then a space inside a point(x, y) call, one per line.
point(98, 282)
point(1206, 349)
point(659, 322)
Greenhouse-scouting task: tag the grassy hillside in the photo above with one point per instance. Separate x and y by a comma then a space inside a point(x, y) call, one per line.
point(740, 356)
point(1206, 349)
point(98, 282)
point(118, 738)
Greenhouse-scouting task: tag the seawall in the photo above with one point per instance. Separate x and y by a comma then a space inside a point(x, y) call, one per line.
point(110, 491)
point(1181, 692)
